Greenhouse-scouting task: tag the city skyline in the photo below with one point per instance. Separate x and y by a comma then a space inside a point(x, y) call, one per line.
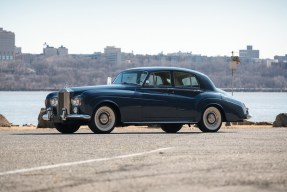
point(202, 27)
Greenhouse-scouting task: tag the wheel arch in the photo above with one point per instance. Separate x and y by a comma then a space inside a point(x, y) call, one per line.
point(218, 106)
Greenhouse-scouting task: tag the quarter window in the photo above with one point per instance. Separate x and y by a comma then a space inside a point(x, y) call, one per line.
point(183, 79)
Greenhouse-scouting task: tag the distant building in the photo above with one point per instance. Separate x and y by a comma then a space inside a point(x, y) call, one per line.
point(62, 51)
point(97, 55)
point(52, 51)
point(249, 53)
point(7, 45)
point(282, 59)
point(18, 53)
point(180, 54)
point(18, 50)
point(113, 55)
point(269, 62)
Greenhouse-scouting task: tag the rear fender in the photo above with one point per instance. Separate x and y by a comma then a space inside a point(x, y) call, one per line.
point(204, 104)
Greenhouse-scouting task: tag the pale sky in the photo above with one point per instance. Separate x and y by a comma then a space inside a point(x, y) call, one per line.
point(207, 27)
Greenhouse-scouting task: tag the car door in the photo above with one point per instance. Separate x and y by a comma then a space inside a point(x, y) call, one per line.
point(158, 103)
point(187, 93)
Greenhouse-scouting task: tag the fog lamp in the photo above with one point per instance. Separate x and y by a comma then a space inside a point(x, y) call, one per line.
point(75, 110)
point(54, 102)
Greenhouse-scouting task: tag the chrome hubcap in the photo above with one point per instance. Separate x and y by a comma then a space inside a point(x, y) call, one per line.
point(104, 118)
point(211, 118)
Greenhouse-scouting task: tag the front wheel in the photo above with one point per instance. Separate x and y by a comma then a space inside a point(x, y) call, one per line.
point(104, 120)
point(67, 128)
point(171, 128)
point(211, 120)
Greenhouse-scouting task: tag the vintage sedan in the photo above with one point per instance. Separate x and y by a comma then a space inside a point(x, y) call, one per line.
point(165, 96)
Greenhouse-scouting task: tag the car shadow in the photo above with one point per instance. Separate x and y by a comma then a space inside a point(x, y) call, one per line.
point(120, 133)
point(153, 133)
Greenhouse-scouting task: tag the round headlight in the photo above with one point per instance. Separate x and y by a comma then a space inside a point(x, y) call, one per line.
point(76, 101)
point(54, 102)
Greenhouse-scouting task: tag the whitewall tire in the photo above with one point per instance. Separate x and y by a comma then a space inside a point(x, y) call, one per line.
point(104, 120)
point(211, 120)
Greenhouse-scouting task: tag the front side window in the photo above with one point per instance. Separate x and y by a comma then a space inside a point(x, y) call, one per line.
point(159, 79)
point(184, 79)
point(131, 77)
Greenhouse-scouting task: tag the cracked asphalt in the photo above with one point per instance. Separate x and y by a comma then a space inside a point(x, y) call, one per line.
point(131, 159)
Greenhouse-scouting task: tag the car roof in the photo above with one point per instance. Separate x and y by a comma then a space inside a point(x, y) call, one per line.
point(165, 68)
point(206, 83)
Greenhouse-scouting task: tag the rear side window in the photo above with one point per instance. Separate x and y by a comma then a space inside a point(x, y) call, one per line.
point(184, 79)
point(159, 79)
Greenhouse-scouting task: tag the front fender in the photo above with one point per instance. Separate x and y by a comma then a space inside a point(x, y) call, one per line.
point(92, 99)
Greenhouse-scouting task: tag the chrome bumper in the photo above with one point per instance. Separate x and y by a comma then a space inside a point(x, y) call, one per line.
point(248, 115)
point(64, 116)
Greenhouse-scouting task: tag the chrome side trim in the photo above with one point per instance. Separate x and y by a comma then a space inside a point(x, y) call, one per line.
point(161, 122)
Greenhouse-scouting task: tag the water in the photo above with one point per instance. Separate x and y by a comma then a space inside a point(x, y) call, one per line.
point(24, 107)
point(264, 106)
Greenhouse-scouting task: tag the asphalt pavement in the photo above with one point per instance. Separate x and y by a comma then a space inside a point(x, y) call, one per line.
point(132, 159)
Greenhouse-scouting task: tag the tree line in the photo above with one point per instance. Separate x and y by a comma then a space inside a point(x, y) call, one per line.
point(53, 73)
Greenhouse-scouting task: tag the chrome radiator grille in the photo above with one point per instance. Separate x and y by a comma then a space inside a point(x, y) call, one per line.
point(64, 101)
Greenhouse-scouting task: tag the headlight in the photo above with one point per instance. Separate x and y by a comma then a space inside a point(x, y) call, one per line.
point(54, 102)
point(76, 101)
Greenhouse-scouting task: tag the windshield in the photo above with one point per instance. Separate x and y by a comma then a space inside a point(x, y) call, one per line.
point(131, 77)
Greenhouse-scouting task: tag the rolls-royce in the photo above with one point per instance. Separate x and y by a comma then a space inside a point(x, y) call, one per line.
point(165, 96)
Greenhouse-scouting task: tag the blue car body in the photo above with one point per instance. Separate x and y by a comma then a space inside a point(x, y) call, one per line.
point(147, 101)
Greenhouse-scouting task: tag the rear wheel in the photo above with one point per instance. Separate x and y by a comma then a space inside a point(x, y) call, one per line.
point(67, 128)
point(211, 120)
point(104, 120)
point(171, 128)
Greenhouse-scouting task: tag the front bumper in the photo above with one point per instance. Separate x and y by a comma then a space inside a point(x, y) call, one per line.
point(248, 115)
point(49, 116)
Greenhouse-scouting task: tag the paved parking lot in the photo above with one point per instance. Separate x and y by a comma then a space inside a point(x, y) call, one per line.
point(132, 159)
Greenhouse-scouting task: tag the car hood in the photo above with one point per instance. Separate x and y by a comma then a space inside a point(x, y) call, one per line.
point(79, 90)
point(87, 88)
